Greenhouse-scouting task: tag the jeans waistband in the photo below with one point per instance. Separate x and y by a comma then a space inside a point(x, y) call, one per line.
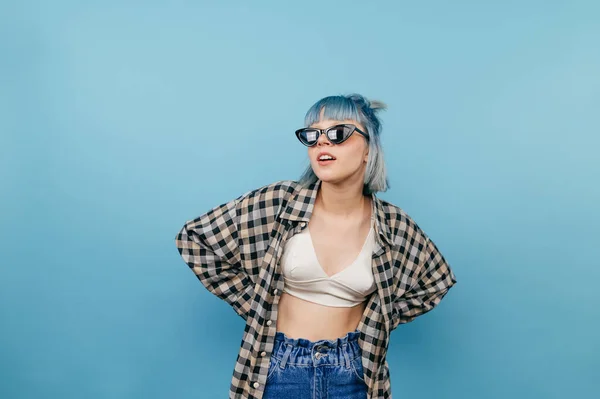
point(302, 351)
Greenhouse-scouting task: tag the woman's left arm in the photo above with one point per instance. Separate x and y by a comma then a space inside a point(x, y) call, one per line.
point(434, 279)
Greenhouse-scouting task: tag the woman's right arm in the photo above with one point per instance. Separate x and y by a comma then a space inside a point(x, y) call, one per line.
point(209, 246)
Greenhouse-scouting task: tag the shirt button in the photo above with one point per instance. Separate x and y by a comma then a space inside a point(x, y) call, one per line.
point(269, 322)
point(263, 353)
point(303, 224)
point(275, 291)
point(255, 385)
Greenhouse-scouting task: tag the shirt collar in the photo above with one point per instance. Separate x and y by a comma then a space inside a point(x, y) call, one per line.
point(301, 205)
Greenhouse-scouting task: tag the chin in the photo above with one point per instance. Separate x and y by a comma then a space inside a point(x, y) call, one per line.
point(329, 177)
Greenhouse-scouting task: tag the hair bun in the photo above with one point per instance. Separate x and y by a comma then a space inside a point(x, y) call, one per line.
point(375, 105)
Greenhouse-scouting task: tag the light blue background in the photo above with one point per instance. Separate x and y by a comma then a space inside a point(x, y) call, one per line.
point(122, 120)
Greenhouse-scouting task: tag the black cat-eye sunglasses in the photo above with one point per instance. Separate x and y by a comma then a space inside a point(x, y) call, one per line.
point(335, 134)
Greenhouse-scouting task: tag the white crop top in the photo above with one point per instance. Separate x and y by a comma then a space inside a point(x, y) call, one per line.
point(305, 278)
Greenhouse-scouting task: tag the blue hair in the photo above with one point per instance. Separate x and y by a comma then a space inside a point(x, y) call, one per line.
point(357, 108)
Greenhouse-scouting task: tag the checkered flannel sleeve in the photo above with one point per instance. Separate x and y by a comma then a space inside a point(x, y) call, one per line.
point(435, 278)
point(209, 246)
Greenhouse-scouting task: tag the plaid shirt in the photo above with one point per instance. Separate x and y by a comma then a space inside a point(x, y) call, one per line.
point(235, 248)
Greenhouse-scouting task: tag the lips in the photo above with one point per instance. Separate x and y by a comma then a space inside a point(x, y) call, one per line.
point(325, 162)
point(325, 157)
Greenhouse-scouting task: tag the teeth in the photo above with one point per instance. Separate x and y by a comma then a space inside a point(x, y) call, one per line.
point(325, 157)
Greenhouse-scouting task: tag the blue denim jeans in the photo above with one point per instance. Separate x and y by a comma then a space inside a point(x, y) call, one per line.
point(303, 369)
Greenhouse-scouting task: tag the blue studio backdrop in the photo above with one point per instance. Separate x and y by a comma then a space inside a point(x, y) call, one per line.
point(121, 120)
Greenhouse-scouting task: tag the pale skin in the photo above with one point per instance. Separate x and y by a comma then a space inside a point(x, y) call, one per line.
point(338, 227)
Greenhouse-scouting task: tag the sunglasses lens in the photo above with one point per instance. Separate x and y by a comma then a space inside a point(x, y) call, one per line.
point(308, 137)
point(340, 133)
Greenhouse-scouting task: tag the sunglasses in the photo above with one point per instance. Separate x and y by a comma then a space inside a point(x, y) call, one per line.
point(335, 134)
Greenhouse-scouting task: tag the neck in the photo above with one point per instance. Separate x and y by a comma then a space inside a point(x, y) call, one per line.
point(342, 201)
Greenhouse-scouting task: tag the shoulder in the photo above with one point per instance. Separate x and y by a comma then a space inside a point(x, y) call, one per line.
point(279, 190)
point(258, 206)
point(267, 199)
point(403, 228)
point(257, 209)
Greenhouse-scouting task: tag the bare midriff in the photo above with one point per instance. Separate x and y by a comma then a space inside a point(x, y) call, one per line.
point(298, 318)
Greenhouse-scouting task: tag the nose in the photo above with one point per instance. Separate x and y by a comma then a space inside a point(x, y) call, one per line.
point(322, 140)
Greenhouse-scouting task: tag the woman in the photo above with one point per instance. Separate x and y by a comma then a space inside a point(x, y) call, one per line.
point(320, 269)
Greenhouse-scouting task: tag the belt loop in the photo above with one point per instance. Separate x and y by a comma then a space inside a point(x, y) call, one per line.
point(286, 354)
point(346, 357)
